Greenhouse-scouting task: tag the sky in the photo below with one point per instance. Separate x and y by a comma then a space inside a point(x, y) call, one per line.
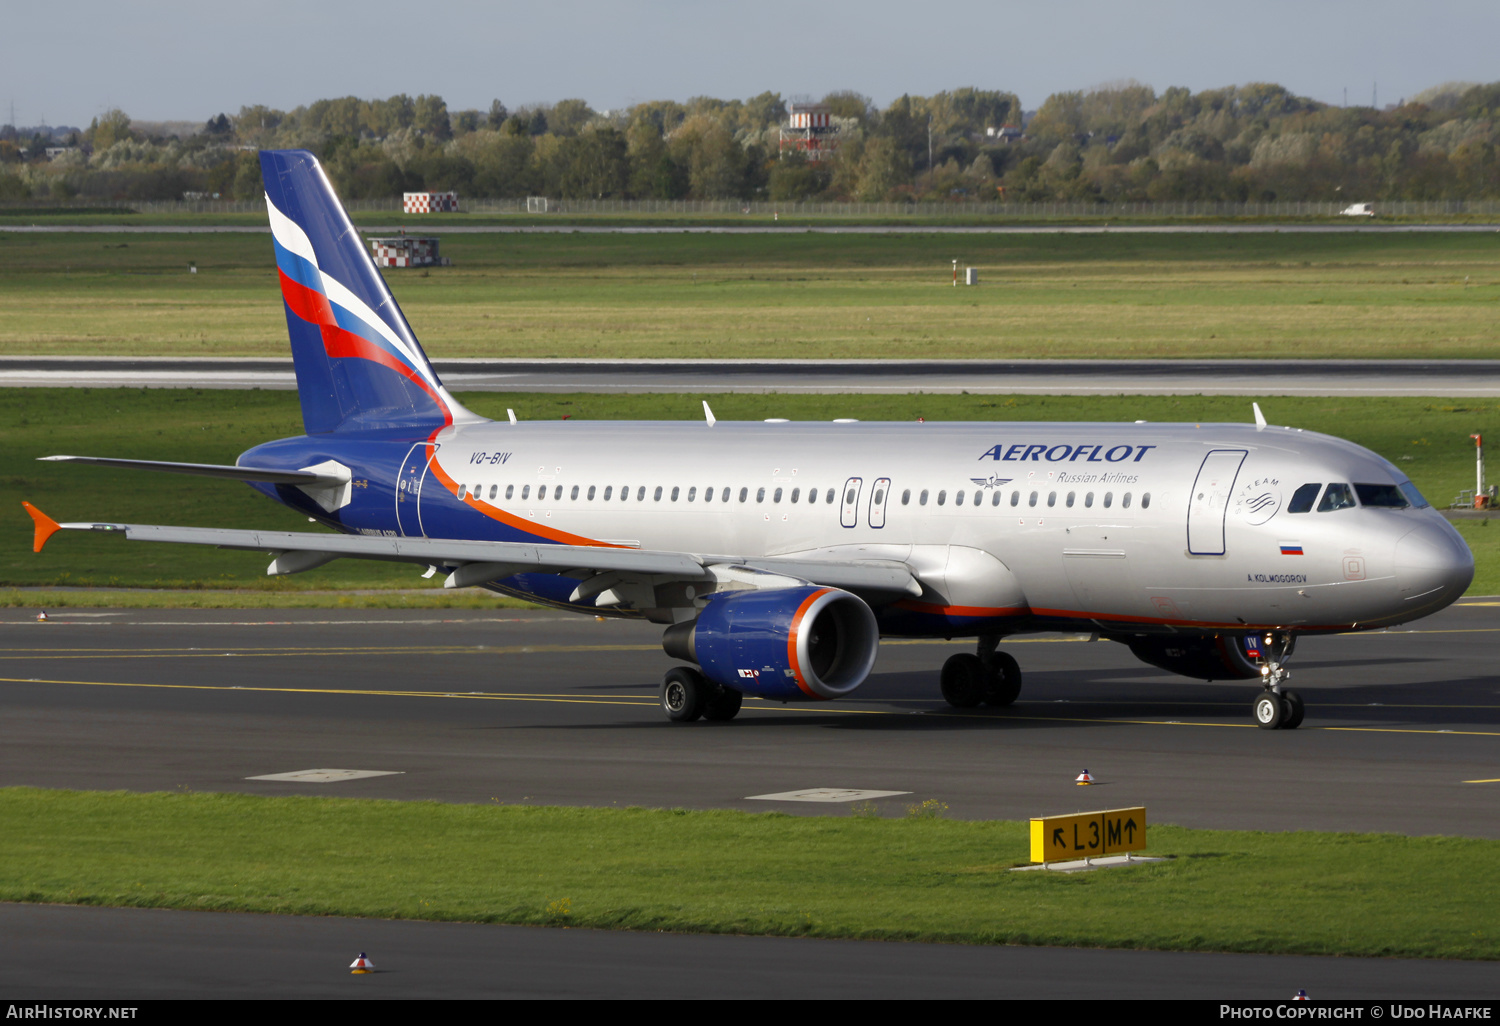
point(166, 60)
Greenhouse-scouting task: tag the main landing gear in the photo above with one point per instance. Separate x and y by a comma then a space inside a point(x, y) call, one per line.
point(1278, 707)
point(988, 677)
point(687, 695)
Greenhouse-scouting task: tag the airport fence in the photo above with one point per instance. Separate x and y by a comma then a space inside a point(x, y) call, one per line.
point(539, 206)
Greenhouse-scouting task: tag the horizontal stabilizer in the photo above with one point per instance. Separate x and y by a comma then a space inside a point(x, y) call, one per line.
point(287, 477)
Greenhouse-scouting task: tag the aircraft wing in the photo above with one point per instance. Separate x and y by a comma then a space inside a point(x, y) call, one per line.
point(476, 562)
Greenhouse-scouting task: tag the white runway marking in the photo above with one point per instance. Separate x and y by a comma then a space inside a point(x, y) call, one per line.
point(823, 794)
point(327, 776)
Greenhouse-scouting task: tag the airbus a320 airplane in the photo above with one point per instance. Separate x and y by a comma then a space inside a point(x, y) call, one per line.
point(777, 554)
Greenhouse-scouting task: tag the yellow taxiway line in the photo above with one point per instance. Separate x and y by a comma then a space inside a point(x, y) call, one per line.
point(649, 701)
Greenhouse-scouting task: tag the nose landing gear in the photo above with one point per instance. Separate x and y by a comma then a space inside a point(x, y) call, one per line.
point(1278, 707)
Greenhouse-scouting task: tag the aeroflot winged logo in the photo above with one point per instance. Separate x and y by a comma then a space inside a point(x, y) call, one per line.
point(1088, 452)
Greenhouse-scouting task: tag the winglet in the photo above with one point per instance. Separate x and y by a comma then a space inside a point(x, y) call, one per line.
point(708, 414)
point(46, 527)
point(1260, 418)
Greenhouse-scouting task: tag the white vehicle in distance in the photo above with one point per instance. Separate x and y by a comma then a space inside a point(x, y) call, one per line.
point(1359, 210)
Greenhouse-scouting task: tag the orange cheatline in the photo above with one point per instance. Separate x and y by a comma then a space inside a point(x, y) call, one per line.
point(46, 527)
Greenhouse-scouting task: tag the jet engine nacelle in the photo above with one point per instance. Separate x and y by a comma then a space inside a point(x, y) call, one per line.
point(788, 644)
point(1215, 657)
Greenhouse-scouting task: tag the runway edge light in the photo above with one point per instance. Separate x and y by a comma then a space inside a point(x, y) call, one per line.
point(1083, 779)
point(362, 964)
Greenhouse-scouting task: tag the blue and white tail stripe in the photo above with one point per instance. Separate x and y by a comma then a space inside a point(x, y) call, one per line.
point(359, 367)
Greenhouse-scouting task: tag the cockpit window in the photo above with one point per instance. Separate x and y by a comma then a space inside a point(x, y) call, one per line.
point(1413, 496)
point(1338, 496)
point(1385, 495)
point(1304, 497)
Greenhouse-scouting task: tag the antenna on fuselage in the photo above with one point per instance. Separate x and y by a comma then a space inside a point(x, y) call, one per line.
point(709, 414)
point(512, 414)
point(1260, 418)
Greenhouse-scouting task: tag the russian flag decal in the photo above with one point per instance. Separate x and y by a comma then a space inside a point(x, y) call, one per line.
point(1291, 549)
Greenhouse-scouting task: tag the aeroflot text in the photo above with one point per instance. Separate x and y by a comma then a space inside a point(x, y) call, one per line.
point(1035, 452)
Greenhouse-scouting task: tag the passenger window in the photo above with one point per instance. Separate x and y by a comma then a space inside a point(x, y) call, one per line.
point(906, 497)
point(640, 493)
point(1051, 499)
point(1125, 501)
point(573, 494)
point(995, 497)
point(624, 493)
point(776, 497)
point(1069, 500)
point(796, 494)
point(1109, 499)
point(675, 491)
point(828, 496)
point(1145, 500)
point(1088, 500)
point(461, 489)
point(608, 491)
point(812, 495)
point(1304, 497)
point(693, 493)
point(494, 490)
point(760, 495)
point(510, 491)
point(591, 493)
point(526, 491)
point(958, 498)
point(849, 498)
point(744, 493)
point(1338, 496)
point(656, 496)
point(725, 496)
point(922, 499)
point(879, 496)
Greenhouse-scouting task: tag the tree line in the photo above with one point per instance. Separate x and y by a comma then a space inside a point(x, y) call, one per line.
point(1119, 143)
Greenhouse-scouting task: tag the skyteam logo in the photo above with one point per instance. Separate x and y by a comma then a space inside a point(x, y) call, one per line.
point(1257, 501)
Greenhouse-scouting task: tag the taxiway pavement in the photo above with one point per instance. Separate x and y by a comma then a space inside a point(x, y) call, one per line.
point(1402, 735)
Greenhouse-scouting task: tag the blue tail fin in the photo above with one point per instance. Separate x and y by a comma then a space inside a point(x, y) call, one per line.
point(359, 367)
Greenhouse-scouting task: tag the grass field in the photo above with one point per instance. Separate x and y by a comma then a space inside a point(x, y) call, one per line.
point(912, 878)
point(1429, 438)
point(807, 296)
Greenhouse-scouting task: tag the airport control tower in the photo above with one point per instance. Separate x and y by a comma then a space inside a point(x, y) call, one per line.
point(809, 130)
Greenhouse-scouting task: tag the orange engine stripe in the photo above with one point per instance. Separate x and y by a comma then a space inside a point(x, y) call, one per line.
point(791, 644)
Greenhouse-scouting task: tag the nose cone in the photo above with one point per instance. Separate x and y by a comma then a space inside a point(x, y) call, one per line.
point(1433, 566)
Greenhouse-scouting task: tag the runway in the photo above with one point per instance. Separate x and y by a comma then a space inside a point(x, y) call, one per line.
point(1456, 378)
point(1402, 734)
